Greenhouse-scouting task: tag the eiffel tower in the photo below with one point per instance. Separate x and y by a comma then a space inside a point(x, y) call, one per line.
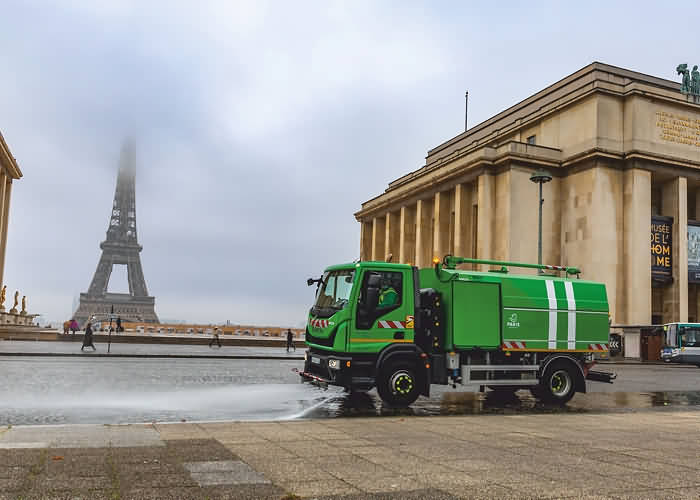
point(120, 247)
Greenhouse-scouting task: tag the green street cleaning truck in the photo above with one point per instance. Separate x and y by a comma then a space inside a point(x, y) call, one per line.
point(400, 329)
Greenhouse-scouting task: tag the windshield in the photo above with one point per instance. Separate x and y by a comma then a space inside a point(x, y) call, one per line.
point(690, 337)
point(335, 289)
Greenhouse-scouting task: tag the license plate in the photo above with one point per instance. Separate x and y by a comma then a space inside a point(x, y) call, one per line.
point(315, 360)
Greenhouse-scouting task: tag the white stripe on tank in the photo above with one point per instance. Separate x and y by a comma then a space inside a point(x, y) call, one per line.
point(549, 284)
point(569, 287)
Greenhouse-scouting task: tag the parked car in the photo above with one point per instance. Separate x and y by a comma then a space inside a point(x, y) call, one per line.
point(666, 354)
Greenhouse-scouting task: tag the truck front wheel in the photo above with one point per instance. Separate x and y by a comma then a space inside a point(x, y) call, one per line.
point(397, 384)
point(557, 385)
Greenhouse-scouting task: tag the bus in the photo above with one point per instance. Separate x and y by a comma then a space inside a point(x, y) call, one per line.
point(681, 343)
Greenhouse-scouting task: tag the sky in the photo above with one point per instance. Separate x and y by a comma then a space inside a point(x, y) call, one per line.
point(261, 127)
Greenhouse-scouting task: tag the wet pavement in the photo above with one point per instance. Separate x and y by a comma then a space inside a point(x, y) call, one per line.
point(41, 390)
point(51, 390)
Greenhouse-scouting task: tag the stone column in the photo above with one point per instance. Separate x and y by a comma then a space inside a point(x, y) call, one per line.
point(7, 190)
point(366, 240)
point(463, 222)
point(424, 233)
point(392, 237)
point(675, 204)
point(407, 238)
point(637, 269)
point(486, 215)
point(521, 223)
point(442, 213)
point(3, 215)
point(697, 218)
point(378, 236)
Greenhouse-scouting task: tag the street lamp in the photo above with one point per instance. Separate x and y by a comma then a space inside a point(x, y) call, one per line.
point(540, 177)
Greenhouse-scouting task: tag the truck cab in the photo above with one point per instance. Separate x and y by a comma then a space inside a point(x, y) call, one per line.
point(361, 310)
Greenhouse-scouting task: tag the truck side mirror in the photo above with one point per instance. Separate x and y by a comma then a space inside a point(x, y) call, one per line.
point(372, 292)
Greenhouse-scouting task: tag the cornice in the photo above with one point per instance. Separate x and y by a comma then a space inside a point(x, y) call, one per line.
point(8, 161)
point(494, 164)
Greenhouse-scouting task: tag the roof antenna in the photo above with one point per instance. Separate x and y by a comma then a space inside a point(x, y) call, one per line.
point(466, 108)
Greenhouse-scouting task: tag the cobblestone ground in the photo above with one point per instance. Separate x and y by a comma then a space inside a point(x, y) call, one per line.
point(644, 454)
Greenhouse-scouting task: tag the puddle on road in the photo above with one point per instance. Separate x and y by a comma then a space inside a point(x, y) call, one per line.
point(474, 403)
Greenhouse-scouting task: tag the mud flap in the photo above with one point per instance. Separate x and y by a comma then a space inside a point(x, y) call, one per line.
point(425, 390)
point(606, 377)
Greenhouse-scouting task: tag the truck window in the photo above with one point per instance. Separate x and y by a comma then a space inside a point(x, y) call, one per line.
point(390, 292)
point(335, 290)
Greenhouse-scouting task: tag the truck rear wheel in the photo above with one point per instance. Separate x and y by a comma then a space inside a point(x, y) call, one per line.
point(397, 384)
point(557, 384)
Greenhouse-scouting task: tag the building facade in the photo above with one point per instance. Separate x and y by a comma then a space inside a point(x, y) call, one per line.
point(623, 149)
point(9, 171)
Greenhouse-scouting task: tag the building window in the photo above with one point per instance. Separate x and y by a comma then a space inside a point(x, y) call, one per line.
point(531, 139)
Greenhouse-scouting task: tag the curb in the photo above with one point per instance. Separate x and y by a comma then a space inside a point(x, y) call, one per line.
point(171, 356)
point(646, 363)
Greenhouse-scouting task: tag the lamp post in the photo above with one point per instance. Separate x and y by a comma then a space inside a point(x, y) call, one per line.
point(540, 177)
point(109, 337)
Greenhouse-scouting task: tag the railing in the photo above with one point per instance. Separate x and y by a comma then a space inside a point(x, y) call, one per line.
point(451, 262)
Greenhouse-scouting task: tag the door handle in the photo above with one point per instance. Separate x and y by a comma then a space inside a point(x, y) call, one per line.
point(398, 335)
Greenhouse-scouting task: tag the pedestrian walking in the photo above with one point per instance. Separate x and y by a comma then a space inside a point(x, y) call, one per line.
point(119, 324)
point(290, 340)
point(74, 326)
point(87, 338)
point(66, 327)
point(215, 338)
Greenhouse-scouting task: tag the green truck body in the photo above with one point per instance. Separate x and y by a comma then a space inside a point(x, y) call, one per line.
point(446, 325)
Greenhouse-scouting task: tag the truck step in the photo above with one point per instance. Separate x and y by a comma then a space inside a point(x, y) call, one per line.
point(486, 370)
point(507, 368)
point(525, 383)
point(363, 383)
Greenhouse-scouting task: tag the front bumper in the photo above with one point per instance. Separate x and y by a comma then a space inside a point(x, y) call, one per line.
point(316, 369)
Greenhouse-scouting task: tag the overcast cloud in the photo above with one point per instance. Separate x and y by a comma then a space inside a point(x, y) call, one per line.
point(261, 127)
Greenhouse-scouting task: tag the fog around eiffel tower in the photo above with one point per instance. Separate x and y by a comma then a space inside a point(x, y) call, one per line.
point(260, 128)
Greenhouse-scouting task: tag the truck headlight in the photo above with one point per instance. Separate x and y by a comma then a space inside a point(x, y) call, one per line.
point(334, 364)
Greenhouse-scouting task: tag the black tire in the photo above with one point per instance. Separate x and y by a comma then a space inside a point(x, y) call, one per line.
point(397, 384)
point(558, 384)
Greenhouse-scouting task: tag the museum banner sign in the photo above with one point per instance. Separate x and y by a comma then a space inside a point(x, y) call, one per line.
point(693, 252)
point(661, 246)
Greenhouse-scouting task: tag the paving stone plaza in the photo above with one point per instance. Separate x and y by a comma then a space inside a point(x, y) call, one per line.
point(531, 456)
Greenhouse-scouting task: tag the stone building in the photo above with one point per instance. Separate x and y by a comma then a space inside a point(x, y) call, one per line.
point(9, 171)
point(623, 149)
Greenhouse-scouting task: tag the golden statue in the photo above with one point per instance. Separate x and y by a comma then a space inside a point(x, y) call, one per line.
point(2, 297)
point(24, 305)
point(14, 307)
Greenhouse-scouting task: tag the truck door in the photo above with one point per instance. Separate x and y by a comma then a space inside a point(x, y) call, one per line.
point(384, 310)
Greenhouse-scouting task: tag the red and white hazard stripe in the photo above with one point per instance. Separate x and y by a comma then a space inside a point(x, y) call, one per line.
point(513, 344)
point(598, 347)
point(321, 323)
point(391, 324)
